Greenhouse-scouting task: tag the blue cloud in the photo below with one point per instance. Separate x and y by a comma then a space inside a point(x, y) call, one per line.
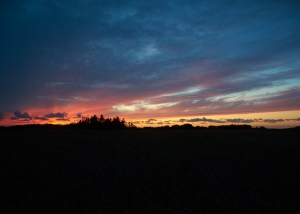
point(19, 115)
point(58, 114)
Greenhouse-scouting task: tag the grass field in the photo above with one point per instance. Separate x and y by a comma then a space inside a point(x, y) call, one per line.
point(138, 171)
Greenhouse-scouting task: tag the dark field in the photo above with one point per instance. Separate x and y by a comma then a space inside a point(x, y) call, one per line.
point(137, 171)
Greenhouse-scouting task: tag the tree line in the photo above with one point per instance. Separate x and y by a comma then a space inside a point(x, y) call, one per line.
point(101, 122)
point(190, 126)
point(95, 122)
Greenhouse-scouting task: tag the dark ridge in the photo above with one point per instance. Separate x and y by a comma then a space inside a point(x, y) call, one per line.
point(231, 127)
point(149, 171)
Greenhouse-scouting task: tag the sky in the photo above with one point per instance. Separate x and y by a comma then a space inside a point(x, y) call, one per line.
point(154, 63)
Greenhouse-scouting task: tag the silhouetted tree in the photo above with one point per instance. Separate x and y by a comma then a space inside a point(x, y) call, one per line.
point(101, 119)
point(94, 120)
point(175, 127)
point(101, 123)
point(130, 125)
point(187, 126)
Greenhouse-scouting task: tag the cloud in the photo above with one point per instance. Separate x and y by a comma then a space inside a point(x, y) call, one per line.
point(194, 120)
point(236, 120)
point(58, 114)
point(136, 122)
point(63, 119)
point(297, 119)
point(273, 120)
point(204, 119)
point(239, 120)
point(25, 120)
point(79, 115)
point(40, 118)
point(1, 115)
point(150, 121)
point(19, 115)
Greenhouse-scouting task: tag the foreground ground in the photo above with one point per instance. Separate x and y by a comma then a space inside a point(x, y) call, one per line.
point(135, 171)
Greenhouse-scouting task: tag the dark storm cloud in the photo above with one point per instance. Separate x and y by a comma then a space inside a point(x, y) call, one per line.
point(19, 115)
point(58, 114)
point(57, 53)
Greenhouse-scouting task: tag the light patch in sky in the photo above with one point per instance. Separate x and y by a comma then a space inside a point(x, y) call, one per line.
point(81, 99)
point(147, 52)
point(190, 91)
point(140, 104)
point(258, 94)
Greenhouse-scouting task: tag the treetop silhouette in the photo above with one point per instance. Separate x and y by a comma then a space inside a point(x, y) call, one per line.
point(101, 122)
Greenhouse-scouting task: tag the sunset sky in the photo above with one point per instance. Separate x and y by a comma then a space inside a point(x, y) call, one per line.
point(154, 63)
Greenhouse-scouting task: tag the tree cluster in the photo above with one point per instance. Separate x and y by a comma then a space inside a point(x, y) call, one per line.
point(95, 122)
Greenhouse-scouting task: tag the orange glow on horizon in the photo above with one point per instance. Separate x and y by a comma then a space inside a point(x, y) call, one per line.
point(289, 118)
